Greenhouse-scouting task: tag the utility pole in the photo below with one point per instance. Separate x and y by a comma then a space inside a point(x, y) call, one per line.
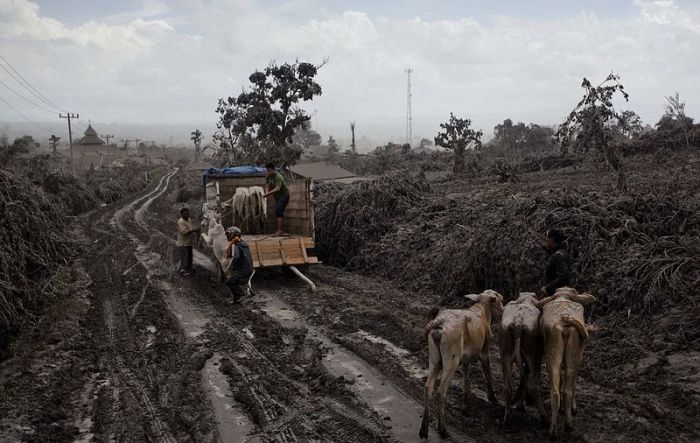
point(409, 118)
point(138, 146)
point(316, 119)
point(107, 137)
point(126, 143)
point(70, 137)
point(147, 144)
point(353, 148)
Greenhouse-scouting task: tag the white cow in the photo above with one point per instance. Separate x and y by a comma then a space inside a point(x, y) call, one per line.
point(257, 209)
point(239, 205)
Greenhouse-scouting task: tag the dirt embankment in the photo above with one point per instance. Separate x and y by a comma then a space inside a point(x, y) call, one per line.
point(635, 251)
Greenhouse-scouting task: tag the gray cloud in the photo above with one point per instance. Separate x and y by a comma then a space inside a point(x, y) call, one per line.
point(170, 66)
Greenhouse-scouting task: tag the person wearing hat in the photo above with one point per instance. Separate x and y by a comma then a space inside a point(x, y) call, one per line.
point(185, 241)
point(557, 268)
point(240, 268)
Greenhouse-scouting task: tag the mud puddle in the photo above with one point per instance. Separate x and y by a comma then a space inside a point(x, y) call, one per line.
point(409, 363)
point(233, 424)
point(231, 420)
point(397, 408)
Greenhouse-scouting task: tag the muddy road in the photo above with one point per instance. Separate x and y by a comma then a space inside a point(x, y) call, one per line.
point(134, 352)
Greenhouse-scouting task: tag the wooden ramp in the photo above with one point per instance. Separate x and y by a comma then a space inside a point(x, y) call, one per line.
point(270, 251)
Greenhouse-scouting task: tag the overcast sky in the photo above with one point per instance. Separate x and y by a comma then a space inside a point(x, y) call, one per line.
point(145, 61)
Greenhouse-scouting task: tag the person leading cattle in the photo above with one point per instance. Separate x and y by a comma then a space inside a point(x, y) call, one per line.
point(185, 240)
point(277, 187)
point(240, 268)
point(557, 268)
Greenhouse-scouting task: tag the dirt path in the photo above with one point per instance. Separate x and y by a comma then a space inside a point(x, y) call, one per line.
point(136, 353)
point(387, 403)
point(173, 361)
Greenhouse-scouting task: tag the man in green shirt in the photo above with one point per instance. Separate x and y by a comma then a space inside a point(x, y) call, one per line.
point(278, 189)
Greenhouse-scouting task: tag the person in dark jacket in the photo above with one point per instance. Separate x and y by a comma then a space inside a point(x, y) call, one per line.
point(557, 268)
point(241, 267)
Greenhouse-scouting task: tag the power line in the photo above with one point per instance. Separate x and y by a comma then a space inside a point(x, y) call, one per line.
point(23, 116)
point(19, 82)
point(26, 99)
point(28, 86)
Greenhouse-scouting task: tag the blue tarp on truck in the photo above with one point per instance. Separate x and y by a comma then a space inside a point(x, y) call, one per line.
point(233, 171)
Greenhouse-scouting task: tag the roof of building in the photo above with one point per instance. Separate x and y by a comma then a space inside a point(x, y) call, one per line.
point(321, 171)
point(91, 137)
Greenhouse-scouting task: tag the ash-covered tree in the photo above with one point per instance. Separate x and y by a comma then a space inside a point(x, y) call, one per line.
point(629, 125)
point(512, 138)
point(424, 144)
point(53, 140)
point(21, 145)
point(675, 114)
point(353, 146)
point(259, 124)
point(539, 139)
point(333, 148)
point(457, 137)
point(590, 124)
point(306, 138)
point(196, 137)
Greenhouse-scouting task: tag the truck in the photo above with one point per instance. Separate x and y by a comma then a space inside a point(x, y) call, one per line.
point(295, 248)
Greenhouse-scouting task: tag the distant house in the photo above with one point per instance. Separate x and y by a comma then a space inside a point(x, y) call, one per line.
point(90, 138)
point(85, 161)
point(323, 171)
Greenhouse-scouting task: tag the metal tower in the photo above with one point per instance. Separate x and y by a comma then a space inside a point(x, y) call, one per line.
point(409, 118)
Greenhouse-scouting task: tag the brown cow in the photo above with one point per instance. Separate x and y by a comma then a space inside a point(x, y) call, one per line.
point(454, 336)
point(564, 334)
point(520, 339)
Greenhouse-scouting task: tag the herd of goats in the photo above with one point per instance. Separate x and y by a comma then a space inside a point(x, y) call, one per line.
point(552, 328)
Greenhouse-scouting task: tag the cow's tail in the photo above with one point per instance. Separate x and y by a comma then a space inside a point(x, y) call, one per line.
point(436, 335)
point(577, 324)
point(517, 332)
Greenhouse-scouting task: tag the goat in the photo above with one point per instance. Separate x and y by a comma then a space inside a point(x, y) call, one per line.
point(215, 237)
point(565, 334)
point(454, 336)
point(257, 209)
point(520, 339)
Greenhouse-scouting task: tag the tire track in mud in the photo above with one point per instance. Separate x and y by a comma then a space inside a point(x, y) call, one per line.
point(278, 417)
point(115, 320)
point(194, 321)
point(152, 263)
point(159, 428)
point(378, 391)
point(266, 402)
